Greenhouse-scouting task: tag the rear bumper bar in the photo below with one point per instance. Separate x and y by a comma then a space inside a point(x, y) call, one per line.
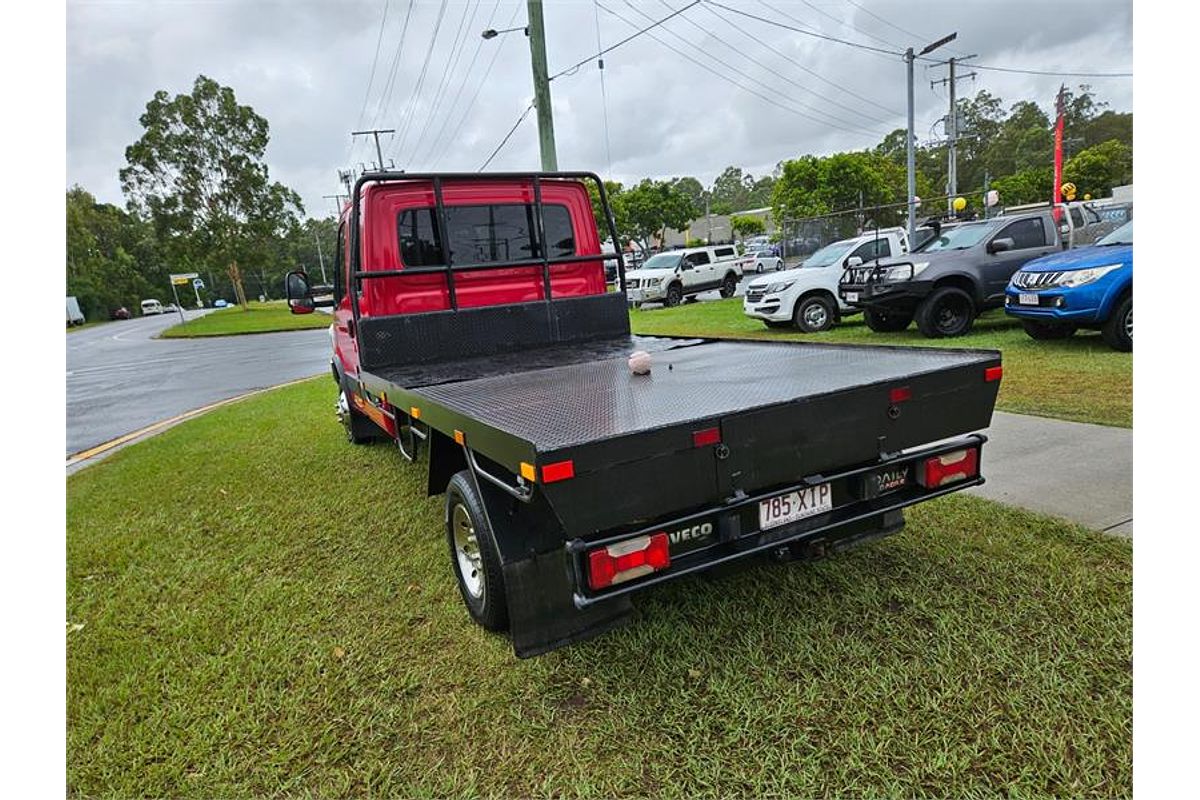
point(735, 539)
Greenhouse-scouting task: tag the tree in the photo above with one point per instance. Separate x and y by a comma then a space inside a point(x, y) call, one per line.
point(613, 190)
point(198, 172)
point(811, 186)
point(730, 191)
point(744, 226)
point(1097, 169)
point(1027, 186)
point(653, 206)
point(111, 256)
point(693, 189)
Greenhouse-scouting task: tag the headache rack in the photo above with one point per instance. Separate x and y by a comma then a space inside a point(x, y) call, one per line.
point(358, 274)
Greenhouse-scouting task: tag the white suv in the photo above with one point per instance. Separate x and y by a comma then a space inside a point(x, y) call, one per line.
point(671, 276)
point(807, 296)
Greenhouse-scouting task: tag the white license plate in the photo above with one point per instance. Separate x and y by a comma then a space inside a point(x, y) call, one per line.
point(851, 297)
point(785, 508)
point(1027, 299)
point(635, 294)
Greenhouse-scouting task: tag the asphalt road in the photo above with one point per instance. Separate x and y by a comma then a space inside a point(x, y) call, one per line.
point(121, 379)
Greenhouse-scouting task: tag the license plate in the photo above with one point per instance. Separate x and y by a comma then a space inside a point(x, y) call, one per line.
point(635, 294)
point(785, 508)
point(1027, 299)
point(851, 297)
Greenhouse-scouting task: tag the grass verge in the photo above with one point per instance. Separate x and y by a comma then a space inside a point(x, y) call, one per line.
point(284, 621)
point(1079, 378)
point(255, 318)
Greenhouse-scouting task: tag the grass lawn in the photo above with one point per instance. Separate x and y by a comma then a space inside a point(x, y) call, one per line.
point(284, 621)
point(1077, 379)
point(255, 318)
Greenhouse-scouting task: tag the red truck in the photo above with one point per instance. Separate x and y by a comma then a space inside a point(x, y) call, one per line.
point(473, 329)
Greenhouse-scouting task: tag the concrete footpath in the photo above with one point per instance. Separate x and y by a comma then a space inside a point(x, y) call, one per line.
point(1073, 470)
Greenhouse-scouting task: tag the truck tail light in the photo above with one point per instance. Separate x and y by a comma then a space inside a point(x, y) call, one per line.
point(625, 561)
point(949, 468)
point(993, 374)
point(558, 471)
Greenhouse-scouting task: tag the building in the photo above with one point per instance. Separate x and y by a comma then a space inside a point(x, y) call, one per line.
point(716, 227)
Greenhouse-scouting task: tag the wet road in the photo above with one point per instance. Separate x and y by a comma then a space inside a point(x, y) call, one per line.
point(121, 379)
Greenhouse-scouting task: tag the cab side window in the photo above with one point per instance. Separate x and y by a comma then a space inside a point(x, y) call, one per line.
point(725, 253)
point(698, 259)
point(1025, 233)
point(339, 275)
point(876, 248)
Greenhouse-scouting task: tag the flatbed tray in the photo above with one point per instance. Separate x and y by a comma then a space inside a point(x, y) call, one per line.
point(584, 392)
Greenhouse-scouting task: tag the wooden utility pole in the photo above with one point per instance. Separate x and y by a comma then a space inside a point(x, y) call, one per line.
point(541, 87)
point(378, 150)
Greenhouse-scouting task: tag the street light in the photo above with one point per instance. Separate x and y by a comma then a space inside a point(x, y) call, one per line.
point(535, 31)
point(492, 33)
point(910, 155)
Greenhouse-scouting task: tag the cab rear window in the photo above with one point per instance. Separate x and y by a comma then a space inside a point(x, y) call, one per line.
point(483, 234)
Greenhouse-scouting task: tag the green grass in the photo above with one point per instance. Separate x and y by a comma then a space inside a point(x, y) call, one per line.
point(284, 621)
point(1079, 379)
point(255, 318)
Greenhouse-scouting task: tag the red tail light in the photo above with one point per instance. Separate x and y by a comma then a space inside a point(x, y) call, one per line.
point(625, 561)
point(558, 471)
point(993, 374)
point(949, 468)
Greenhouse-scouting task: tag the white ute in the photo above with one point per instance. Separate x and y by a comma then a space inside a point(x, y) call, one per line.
point(671, 276)
point(807, 296)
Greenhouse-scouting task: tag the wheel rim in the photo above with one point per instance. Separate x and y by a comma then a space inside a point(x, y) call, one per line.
point(815, 315)
point(673, 296)
point(950, 316)
point(466, 551)
point(343, 411)
point(1129, 323)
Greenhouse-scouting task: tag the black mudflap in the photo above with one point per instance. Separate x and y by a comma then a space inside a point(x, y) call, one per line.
point(541, 612)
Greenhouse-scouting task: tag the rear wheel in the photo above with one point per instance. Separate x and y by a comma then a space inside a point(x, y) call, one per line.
point(728, 286)
point(1047, 330)
point(814, 314)
point(474, 555)
point(947, 312)
point(886, 321)
point(674, 295)
point(1118, 329)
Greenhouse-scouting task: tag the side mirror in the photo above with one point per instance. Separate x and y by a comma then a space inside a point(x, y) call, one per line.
point(686, 265)
point(853, 261)
point(1000, 245)
point(300, 294)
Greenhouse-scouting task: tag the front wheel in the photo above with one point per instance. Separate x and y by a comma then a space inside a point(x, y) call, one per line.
point(728, 286)
point(814, 314)
point(945, 313)
point(358, 426)
point(674, 295)
point(1046, 331)
point(886, 321)
point(474, 555)
point(1118, 329)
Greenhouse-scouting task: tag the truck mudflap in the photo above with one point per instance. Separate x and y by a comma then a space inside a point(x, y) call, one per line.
point(552, 599)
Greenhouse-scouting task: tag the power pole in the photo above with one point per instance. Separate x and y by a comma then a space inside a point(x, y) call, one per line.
point(345, 177)
point(337, 204)
point(952, 131)
point(909, 57)
point(378, 151)
point(541, 86)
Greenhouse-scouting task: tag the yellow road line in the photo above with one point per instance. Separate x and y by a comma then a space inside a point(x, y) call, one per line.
point(92, 452)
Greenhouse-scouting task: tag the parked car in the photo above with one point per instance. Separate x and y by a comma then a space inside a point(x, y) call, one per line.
point(672, 276)
point(579, 464)
point(170, 308)
point(1091, 287)
point(151, 307)
point(759, 261)
point(807, 296)
point(119, 313)
point(220, 304)
point(953, 278)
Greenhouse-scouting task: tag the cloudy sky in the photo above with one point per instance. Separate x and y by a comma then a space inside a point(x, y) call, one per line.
point(710, 88)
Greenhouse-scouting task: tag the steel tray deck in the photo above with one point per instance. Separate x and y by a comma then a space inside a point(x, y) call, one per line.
point(591, 396)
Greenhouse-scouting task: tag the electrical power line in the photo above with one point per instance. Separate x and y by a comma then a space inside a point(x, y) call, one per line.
point(1051, 73)
point(507, 136)
point(478, 89)
point(374, 63)
point(845, 24)
point(629, 38)
point(905, 31)
point(814, 34)
point(839, 124)
point(603, 90)
point(815, 74)
point(411, 109)
point(385, 96)
point(456, 51)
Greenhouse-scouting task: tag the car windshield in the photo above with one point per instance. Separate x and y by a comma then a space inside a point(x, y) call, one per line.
point(662, 261)
point(959, 238)
point(828, 254)
point(1122, 235)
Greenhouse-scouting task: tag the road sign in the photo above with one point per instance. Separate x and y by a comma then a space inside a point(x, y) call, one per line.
point(183, 278)
point(197, 283)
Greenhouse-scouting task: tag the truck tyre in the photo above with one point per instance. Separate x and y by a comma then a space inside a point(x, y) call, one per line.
point(359, 428)
point(886, 321)
point(1118, 328)
point(814, 314)
point(474, 556)
point(729, 285)
point(949, 311)
point(674, 295)
point(1045, 331)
